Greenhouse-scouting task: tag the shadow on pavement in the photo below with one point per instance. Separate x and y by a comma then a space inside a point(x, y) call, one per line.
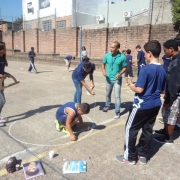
point(32, 112)
point(43, 71)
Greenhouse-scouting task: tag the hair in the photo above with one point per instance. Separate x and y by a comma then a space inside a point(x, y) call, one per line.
point(85, 108)
point(74, 57)
point(171, 43)
point(117, 44)
point(32, 173)
point(86, 59)
point(154, 47)
point(123, 51)
point(3, 46)
point(83, 48)
point(138, 47)
point(128, 51)
point(32, 48)
point(177, 39)
point(87, 64)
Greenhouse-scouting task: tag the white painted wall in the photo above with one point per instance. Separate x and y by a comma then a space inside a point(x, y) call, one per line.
point(63, 8)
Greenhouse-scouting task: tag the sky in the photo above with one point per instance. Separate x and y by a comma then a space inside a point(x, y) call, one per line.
point(10, 8)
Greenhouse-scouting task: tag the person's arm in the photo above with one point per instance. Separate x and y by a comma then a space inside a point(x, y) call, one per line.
point(91, 80)
point(82, 123)
point(87, 87)
point(103, 66)
point(121, 72)
point(69, 120)
point(136, 89)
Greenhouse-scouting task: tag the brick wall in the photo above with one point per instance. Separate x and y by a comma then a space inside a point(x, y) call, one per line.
point(67, 40)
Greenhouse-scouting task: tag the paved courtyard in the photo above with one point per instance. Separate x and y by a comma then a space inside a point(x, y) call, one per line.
point(30, 134)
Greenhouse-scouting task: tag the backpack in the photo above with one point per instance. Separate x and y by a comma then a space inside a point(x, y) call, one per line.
point(11, 165)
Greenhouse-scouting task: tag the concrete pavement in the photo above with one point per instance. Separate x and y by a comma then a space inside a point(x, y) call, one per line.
point(30, 133)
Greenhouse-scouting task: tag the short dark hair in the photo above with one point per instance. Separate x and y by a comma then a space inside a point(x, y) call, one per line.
point(32, 48)
point(84, 47)
point(86, 59)
point(128, 51)
point(117, 44)
point(171, 43)
point(2, 46)
point(85, 108)
point(154, 47)
point(138, 47)
point(87, 64)
point(74, 57)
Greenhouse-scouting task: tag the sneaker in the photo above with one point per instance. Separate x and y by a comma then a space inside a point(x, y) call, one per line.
point(106, 108)
point(121, 159)
point(3, 119)
point(66, 131)
point(127, 84)
point(2, 124)
point(161, 132)
point(117, 116)
point(143, 160)
point(164, 140)
point(57, 125)
point(161, 121)
point(177, 129)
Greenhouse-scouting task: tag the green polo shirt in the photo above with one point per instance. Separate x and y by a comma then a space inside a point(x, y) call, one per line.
point(114, 65)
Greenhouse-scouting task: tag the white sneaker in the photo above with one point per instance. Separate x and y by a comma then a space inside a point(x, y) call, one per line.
point(2, 124)
point(117, 116)
point(3, 119)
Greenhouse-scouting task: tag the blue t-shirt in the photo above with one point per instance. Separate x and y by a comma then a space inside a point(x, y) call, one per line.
point(31, 53)
point(68, 57)
point(2, 65)
point(79, 72)
point(141, 58)
point(166, 62)
point(62, 110)
point(128, 60)
point(152, 78)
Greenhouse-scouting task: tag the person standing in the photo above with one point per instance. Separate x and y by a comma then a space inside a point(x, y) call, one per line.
point(67, 60)
point(83, 53)
point(78, 76)
point(129, 71)
point(31, 56)
point(150, 84)
point(140, 58)
point(113, 66)
point(3, 76)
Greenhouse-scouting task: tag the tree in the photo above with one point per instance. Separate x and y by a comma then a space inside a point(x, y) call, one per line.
point(176, 14)
point(19, 20)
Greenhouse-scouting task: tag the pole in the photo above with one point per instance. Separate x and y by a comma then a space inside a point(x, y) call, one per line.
point(12, 24)
point(108, 14)
point(80, 42)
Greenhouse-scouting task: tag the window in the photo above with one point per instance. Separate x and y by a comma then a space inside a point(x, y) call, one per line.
point(61, 24)
point(46, 25)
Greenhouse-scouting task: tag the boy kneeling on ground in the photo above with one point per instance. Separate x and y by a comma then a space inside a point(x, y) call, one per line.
point(68, 115)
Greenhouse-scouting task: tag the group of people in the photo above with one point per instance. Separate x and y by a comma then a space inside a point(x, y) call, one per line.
point(153, 80)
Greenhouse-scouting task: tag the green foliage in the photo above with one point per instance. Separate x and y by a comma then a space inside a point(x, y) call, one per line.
point(176, 14)
point(18, 20)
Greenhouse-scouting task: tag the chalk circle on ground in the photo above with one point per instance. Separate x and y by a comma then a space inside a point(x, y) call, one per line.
point(23, 142)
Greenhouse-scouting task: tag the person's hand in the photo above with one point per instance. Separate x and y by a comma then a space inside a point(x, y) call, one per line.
point(117, 76)
point(92, 92)
point(72, 137)
point(165, 105)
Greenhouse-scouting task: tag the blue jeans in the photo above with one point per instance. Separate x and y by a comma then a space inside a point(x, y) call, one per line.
point(78, 93)
point(117, 93)
point(32, 66)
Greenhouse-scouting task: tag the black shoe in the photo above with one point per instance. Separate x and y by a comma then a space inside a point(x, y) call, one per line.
point(177, 129)
point(106, 108)
point(164, 140)
point(161, 132)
